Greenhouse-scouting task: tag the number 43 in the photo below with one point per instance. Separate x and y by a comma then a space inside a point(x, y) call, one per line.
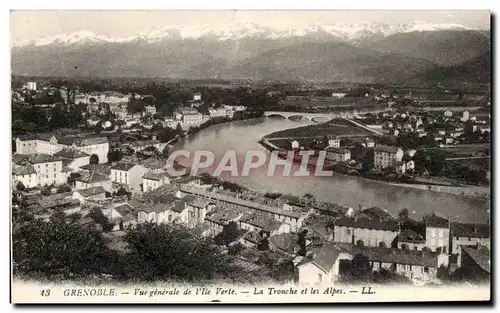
point(45, 292)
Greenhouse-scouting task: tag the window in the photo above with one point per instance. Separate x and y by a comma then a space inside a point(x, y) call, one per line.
point(46, 165)
point(409, 266)
point(320, 277)
point(468, 239)
point(426, 270)
point(54, 164)
point(55, 175)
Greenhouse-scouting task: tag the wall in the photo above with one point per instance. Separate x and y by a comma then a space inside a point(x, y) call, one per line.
point(437, 237)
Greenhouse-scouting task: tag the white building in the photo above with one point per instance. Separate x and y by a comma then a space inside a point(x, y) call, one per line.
point(48, 169)
point(31, 85)
point(334, 154)
point(128, 174)
point(386, 156)
point(197, 96)
point(150, 110)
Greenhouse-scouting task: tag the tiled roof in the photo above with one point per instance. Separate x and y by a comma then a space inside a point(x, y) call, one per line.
point(179, 206)
point(376, 212)
point(91, 191)
point(36, 158)
point(337, 150)
point(391, 255)
point(408, 235)
point(367, 223)
point(123, 209)
point(326, 256)
point(285, 242)
point(71, 153)
point(92, 177)
point(481, 256)
point(21, 170)
point(103, 169)
point(470, 230)
point(123, 166)
point(388, 149)
point(433, 220)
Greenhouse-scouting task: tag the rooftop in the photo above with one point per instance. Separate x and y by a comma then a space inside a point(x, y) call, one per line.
point(388, 149)
point(92, 177)
point(71, 153)
point(368, 223)
point(91, 191)
point(480, 255)
point(470, 230)
point(433, 220)
point(121, 166)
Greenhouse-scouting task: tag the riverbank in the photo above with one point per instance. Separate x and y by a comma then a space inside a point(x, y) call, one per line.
point(472, 192)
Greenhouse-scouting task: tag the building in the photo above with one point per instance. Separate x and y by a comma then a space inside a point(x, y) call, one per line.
point(219, 112)
point(410, 240)
point(128, 174)
point(322, 266)
point(334, 154)
point(92, 193)
point(150, 110)
point(191, 118)
point(25, 174)
point(197, 96)
point(437, 233)
point(50, 143)
point(386, 156)
point(48, 168)
point(332, 141)
point(73, 158)
point(31, 86)
point(369, 143)
point(364, 230)
point(93, 179)
point(152, 181)
point(468, 235)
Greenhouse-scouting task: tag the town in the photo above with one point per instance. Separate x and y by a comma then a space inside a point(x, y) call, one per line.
point(90, 168)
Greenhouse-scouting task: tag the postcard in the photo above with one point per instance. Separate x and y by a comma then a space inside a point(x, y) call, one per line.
point(250, 156)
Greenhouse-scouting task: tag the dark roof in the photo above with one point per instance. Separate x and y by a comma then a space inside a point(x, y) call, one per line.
point(91, 191)
point(326, 256)
point(376, 212)
point(179, 206)
point(71, 153)
point(391, 255)
point(408, 235)
point(122, 166)
point(470, 230)
point(23, 170)
point(337, 150)
point(481, 256)
point(433, 220)
point(285, 242)
point(368, 223)
point(188, 199)
point(388, 149)
point(124, 209)
point(35, 158)
point(92, 177)
point(103, 169)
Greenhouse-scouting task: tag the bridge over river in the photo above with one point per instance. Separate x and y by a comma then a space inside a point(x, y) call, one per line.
point(322, 118)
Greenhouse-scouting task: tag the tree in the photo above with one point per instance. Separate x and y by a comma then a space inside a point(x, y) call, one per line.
point(163, 252)
point(63, 188)
point(230, 233)
point(94, 159)
point(20, 186)
point(360, 268)
point(98, 217)
point(57, 249)
point(404, 215)
point(178, 129)
point(46, 190)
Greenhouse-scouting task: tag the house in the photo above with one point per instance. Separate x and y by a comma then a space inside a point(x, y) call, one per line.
point(150, 110)
point(332, 141)
point(219, 112)
point(377, 213)
point(140, 145)
point(152, 181)
point(477, 261)
point(93, 179)
point(259, 223)
point(73, 158)
point(410, 240)
point(58, 203)
point(321, 267)
point(295, 145)
point(48, 168)
point(370, 143)
point(370, 232)
point(128, 174)
point(50, 143)
point(92, 193)
point(197, 96)
point(334, 154)
point(417, 265)
point(25, 174)
point(468, 235)
point(386, 156)
point(189, 116)
point(437, 233)
point(285, 243)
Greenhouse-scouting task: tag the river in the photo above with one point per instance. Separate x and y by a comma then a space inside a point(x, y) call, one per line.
point(356, 192)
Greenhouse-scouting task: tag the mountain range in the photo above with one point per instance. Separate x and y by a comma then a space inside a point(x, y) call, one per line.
point(362, 52)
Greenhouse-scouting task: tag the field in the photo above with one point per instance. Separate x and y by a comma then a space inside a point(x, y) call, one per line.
point(335, 127)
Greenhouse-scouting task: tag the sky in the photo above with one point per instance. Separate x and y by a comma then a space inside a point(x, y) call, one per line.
point(30, 25)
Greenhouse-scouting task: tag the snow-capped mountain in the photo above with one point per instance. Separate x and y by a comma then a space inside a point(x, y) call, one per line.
point(239, 30)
